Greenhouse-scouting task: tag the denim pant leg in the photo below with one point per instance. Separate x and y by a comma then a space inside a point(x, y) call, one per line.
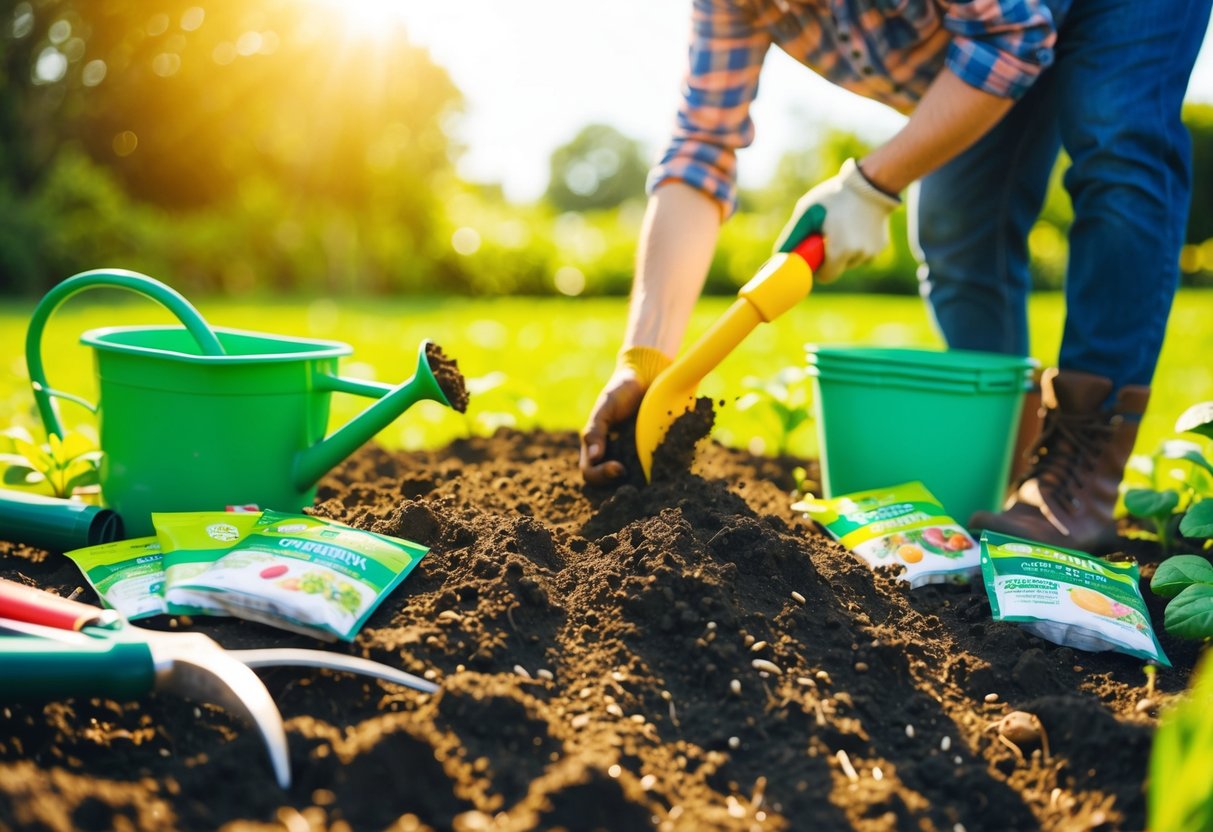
point(969, 222)
point(1121, 70)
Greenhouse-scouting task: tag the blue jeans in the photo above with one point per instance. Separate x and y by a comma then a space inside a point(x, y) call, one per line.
point(1112, 99)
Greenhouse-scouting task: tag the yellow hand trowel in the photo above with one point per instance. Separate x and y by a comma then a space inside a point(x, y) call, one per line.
point(782, 282)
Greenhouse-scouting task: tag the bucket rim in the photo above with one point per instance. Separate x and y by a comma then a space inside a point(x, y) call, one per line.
point(912, 358)
point(322, 348)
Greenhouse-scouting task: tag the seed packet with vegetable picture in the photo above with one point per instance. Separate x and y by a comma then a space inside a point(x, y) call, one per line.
point(902, 526)
point(128, 575)
point(191, 542)
point(305, 574)
point(1068, 597)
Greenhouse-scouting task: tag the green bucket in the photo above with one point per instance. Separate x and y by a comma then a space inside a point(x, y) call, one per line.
point(193, 418)
point(892, 415)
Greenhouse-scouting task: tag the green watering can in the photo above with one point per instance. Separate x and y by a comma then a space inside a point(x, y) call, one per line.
point(195, 418)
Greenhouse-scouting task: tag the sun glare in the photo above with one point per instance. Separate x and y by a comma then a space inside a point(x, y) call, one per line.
point(369, 18)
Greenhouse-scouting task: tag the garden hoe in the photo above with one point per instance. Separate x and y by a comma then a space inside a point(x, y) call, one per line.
point(81, 650)
point(782, 282)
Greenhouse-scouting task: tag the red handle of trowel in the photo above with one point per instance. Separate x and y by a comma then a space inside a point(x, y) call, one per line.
point(33, 606)
point(813, 249)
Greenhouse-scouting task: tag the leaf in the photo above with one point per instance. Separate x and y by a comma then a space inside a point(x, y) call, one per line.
point(76, 445)
point(36, 457)
point(1143, 502)
point(1179, 572)
point(18, 433)
point(1197, 419)
point(21, 475)
point(1180, 790)
point(1198, 521)
point(1181, 449)
point(81, 480)
point(1190, 613)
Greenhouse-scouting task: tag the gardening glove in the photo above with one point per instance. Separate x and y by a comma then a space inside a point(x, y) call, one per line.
point(850, 212)
point(619, 401)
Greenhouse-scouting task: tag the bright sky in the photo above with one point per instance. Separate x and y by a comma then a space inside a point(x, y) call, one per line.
point(534, 72)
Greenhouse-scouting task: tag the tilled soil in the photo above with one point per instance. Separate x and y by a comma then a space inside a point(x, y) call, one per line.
point(595, 651)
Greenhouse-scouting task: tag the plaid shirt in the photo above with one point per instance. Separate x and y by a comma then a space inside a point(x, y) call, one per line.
point(889, 50)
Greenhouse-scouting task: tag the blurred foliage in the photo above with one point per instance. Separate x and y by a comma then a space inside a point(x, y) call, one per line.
point(599, 168)
point(252, 147)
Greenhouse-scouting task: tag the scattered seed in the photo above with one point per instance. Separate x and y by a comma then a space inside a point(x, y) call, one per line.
point(910, 731)
point(736, 810)
point(637, 718)
point(449, 615)
point(877, 774)
point(797, 597)
point(945, 743)
point(766, 666)
point(711, 625)
point(1020, 727)
point(545, 674)
point(861, 667)
point(1144, 705)
point(847, 768)
point(164, 752)
point(822, 676)
point(666, 695)
point(735, 687)
point(580, 721)
point(757, 646)
point(648, 781)
point(958, 827)
point(430, 675)
point(618, 676)
point(748, 640)
point(584, 693)
point(197, 713)
point(805, 681)
point(734, 743)
point(521, 671)
point(614, 710)
point(991, 698)
point(615, 770)
point(957, 759)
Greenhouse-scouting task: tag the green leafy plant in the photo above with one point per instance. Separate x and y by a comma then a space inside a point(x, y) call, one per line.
point(1179, 480)
point(1188, 581)
point(59, 467)
point(785, 397)
point(1181, 791)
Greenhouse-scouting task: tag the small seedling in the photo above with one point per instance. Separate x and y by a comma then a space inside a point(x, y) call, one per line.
point(59, 467)
point(785, 397)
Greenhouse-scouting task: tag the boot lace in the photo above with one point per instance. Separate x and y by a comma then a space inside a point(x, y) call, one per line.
point(1067, 451)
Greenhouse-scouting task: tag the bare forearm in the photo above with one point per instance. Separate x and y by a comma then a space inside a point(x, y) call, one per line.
point(676, 246)
point(951, 116)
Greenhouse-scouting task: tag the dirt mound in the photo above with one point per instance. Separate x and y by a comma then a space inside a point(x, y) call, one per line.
point(688, 655)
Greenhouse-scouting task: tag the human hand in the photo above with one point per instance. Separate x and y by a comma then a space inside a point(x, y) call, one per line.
point(850, 212)
point(619, 400)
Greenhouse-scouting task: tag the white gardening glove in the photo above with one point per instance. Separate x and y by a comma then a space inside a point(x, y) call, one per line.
point(850, 212)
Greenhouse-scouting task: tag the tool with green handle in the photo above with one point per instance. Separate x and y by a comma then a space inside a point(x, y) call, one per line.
point(63, 648)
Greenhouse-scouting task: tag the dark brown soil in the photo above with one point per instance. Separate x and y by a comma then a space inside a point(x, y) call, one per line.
point(595, 650)
point(446, 373)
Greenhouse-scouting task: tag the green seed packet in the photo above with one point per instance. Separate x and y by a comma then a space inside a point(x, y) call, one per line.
point(903, 527)
point(1068, 597)
point(304, 574)
point(128, 575)
point(191, 542)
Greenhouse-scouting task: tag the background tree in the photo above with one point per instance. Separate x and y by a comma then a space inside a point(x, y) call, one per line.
point(600, 168)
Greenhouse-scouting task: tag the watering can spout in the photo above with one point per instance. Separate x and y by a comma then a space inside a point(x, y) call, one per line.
point(313, 463)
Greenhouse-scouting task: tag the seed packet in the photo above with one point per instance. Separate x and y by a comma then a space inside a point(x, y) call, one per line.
point(902, 527)
point(191, 542)
point(128, 575)
point(304, 574)
point(1068, 597)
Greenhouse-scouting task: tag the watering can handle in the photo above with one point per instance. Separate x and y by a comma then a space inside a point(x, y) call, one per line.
point(149, 287)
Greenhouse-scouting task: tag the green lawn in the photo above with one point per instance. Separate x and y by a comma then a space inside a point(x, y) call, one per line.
point(545, 358)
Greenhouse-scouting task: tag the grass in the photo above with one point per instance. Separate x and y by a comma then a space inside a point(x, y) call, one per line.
point(540, 362)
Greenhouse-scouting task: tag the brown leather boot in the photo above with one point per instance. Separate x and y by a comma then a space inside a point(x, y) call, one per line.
point(1067, 497)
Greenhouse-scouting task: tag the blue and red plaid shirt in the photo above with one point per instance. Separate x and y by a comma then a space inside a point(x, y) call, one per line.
point(889, 50)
